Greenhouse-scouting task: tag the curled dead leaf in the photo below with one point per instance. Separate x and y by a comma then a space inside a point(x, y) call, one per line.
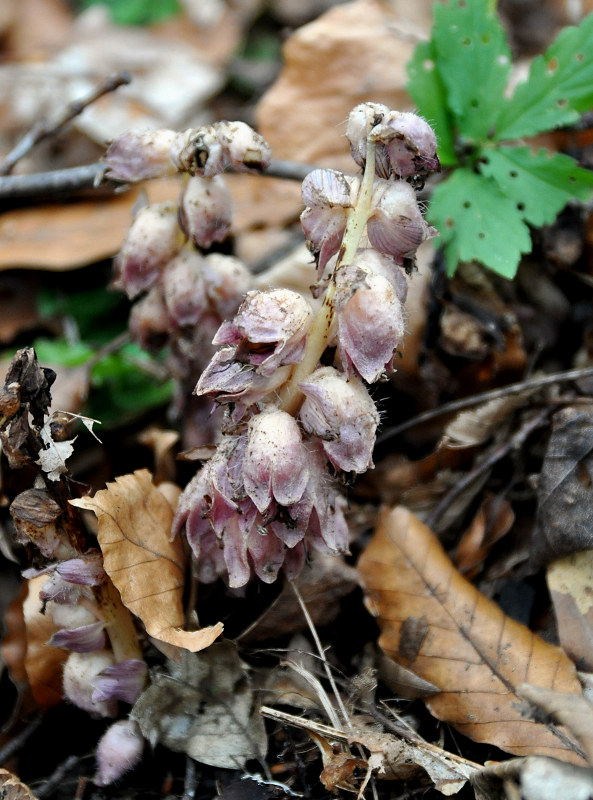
point(569, 581)
point(147, 568)
point(11, 788)
point(462, 642)
point(573, 711)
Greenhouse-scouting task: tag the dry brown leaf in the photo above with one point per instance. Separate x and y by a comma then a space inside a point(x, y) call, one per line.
point(476, 425)
point(43, 663)
point(436, 623)
point(571, 710)
point(493, 520)
point(11, 788)
point(205, 707)
point(564, 489)
point(570, 580)
point(62, 237)
point(147, 568)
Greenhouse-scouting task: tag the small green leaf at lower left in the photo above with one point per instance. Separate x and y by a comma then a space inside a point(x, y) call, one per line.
point(477, 222)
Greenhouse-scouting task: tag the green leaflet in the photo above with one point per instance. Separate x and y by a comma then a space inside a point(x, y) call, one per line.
point(478, 223)
point(428, 92)
point(138, 12)
point(540, 184)
point(474, 62)
point(458, 81)
point(558, 89)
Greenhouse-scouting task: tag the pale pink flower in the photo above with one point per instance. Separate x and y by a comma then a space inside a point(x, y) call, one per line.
point(270, 329)
point(150, 323)
point(372, 261)
point(396, 226)
point(341, 413)
point(275, 466)
point(328, 195)
point(140, 155)
point(80, 671)
point(370, 321)
point(152, 241)
point(406, 144)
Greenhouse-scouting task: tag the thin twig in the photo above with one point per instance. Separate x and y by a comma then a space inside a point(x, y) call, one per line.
point(190, 782)
point(50, 127)
point(483, 397)
point(515, 442)
point(321, 652)
point(14, 745)
point(88, 176)
point(57, 777)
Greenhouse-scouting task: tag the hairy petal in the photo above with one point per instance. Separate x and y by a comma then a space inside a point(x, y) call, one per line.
point(275, 464)
point(340, 411)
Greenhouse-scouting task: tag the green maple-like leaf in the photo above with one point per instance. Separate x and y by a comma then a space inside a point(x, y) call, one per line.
point(478, 223)
point(540, 184)
point(559, 87)
point(474, 62)
point(427, 91)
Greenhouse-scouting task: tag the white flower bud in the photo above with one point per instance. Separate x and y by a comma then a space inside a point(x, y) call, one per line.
point(205, 212)
point(213, 148)
point(361, 120)
point(119, 750)
point(79, 672)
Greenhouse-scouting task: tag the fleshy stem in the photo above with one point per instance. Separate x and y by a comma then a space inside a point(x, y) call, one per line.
point(118, 622)
point(290, 394)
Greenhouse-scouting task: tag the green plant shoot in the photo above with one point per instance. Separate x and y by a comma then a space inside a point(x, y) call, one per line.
point(497, 186)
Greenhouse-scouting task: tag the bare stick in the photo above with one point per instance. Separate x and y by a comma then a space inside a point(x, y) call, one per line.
point(483, 397)
point(17, 742)
point(50, 127)
point(89, 176)
point(57, 777)
point(514, 443)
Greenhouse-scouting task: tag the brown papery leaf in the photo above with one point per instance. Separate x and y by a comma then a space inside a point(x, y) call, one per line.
point(570, 580)
point(11, 788)
point(568, 709)
point(436, 623)
point(147, 568)
point(565, 487)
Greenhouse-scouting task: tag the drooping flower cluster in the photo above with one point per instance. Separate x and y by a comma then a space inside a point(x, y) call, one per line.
point(181, 295)
point(299, 416)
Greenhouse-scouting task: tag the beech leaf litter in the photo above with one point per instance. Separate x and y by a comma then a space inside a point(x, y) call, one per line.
point(335, 539)
point(134, 524)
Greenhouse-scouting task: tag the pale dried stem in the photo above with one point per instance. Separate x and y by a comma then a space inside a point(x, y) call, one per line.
point(290, 394)
point(118, 623)
point(321, 652)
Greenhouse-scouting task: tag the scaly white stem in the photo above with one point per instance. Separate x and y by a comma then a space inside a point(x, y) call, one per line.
point(290, 395)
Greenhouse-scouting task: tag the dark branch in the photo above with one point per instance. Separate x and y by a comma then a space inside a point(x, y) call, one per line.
point(70, 181)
